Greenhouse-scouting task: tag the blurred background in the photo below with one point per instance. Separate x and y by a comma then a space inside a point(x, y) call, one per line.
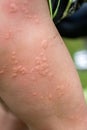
point(74, 46)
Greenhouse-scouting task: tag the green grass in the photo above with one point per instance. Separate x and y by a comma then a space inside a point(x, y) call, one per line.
point(73, 46)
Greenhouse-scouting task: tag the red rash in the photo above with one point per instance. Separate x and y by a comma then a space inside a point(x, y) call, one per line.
point(20, 10)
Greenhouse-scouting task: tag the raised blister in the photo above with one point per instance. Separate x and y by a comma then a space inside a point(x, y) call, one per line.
point(41, 97)
point(46, 71)
point(32, 70)
point(36, 19)
point(44, 59)
point(50, 96)
point(13, 52)
point(13, 7)
point(1, 72)
point(37, 60)
point(14, 69)
point(34, 93)
point(15, 62)
point(41, 64)
point(44, 44)
point(60, 91)
point(33, 78)
point(23, 70)
point(19, 67)
point(50, 74)
point(14, 75)
point(18, 70)
point(37, 67)
point(44, 65)
point(42, 54)
point(7, 35)
point(4, 67)
point(13, 58)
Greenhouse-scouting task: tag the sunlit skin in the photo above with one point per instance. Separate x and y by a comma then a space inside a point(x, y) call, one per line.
point(38, 81)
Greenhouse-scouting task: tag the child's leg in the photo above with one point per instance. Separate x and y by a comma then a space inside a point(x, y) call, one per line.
point(8, 121)
point(38, 80)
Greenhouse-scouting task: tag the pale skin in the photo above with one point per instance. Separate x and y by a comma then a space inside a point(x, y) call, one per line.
point(38, 80)
point(8, 121)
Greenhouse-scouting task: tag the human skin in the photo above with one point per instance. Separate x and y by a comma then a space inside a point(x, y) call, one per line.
point(8, 121)
point(38, 80)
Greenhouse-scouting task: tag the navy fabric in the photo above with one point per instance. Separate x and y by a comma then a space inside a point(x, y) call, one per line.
point(63, 4)
point(75, 25)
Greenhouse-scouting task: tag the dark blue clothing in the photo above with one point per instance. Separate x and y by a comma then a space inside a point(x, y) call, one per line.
point(61, 8)
point(75, 25)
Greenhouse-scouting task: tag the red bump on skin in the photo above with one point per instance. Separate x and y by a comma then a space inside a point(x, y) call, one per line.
point(19, 70)
point(32, 70)
point(13, 53)
point(25, 10)
point(23, 70)
point(50, 74)
point(42, 73)
point(44, 65)
point(20, 10)
point(29, 17)
point(42, 69)
point(13, 7)
point(14, 75)
point(7, 36)
point(44, 44)
point(60, 91)
point(19, 67)
point(44, 59)
point(50, 96)
point(42, 97)
point(42, 54)
point(25, 2)
point(37, 61)
point(1, 72)
point(46, 71)
point(14, 69)
point(55, 36)
point(41, 65)
point(37, 67)
point(32, 17)
point(57, 88)
point(13, 58)
point(36, 19)
point(15, 62)
point(10, 7)
point(33, 78)
point(4, 67)
point(34, 94)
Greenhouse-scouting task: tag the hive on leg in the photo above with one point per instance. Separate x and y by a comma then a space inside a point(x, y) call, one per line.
point(20, 10)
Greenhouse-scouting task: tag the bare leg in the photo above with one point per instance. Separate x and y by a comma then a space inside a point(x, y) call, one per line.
point(8, 121)
point(38, 80)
